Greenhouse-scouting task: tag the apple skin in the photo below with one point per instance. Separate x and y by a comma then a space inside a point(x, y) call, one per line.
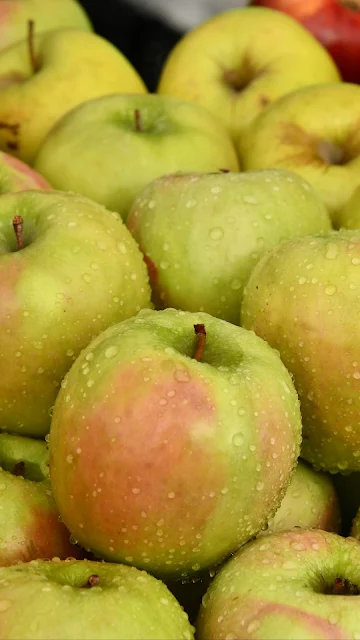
point(349, 216)
point(80, 272)
point(176, 462)
point(310, 502)
point(241, 60)
point(29, 519)
point(96, 149)
point(53, 600)
point(75, 66)
point(334, 23)
point(16, 175)
point(47, 15)
point(303, 299)
point(277, 588)
point(202, 234)
point(313, 131)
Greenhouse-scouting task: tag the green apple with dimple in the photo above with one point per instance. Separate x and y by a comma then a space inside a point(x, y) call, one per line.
point(176, 447)
point(68, 269)
point(109, 149)
point(66, 67)
point(202, 234)
point(87, 600)
point(303, 298)
point(29, 520)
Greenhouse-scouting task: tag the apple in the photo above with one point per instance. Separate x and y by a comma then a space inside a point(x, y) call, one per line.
point(310, 502)
point(29, 519)
point(349, 216)
point(283, 587)
point(87, 600)
point(335, 23)
point(202, 234)
point(240, 61)
point(46, 75)
point(16, 175)
point(173, 439)
point(68, 269)
point(303, 299)
point(47, 15)
point(313, 131)
point(109, 149)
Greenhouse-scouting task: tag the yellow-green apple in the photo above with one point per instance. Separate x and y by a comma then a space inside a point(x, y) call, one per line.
point(283, 587)
point(42, 82)
point(16, 175)
point(349, 216)
point(303, 299)
point(202, 234)
point(109, 149)
point(29, 519)
point(310, 502)
point(46, 14)
point(87, 600)
point(240, 61)
point(68, 269)
point(173, 440)
point(315, 132)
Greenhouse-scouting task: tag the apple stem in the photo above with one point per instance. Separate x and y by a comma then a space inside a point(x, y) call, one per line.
point(224, 170)
point(200, 333)
point(93, 581)
point(18, 224)
point(138, 120)
point(32, 56)
point(343, 587)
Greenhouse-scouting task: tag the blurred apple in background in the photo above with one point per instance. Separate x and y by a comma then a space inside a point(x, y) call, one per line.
point(241, 60)
point(349, 216)
point(202, 234)
point(303, 299)
point(46, 14)
point(29, 519)
point(315, 132)
point(87, 600)
point(16, 175)
point(310, 502)
point(335, 23)
point(109, 149)
point(40, 83)
point(175, 447)
point(284, 587)
point(68, 270)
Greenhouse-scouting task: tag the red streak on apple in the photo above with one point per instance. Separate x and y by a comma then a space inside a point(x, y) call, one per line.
point(26, 177)
point(143, 473)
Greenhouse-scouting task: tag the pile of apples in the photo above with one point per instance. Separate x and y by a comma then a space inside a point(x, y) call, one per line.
point(179, 333)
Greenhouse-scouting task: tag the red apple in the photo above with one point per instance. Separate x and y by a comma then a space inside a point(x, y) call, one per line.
point(335, 23)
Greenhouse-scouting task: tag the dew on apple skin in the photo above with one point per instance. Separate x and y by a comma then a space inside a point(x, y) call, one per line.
point(111, 352)
point(250, 200)
point(332, 251)
point(216, 233)
point(238, 439)
point(330, 290)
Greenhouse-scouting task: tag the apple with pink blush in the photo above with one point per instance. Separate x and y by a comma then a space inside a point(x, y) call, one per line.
point(16, 175)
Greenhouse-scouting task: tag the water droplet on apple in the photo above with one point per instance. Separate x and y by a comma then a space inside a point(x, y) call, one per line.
point(181, 375)
point(86, 277)
point(297, 546)
point(121, 247)
point(235, 284)
point(330, 290)
point(238, 439)
point(111, 352)
point(216, 233)
point(332, 251)
point(250, 200)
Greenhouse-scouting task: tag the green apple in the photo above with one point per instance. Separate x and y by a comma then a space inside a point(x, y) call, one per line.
point(169, 449)
point(303, 298)
point(284, 587)
point(46, 14)
point(240, 61)
point(313, 131)
point(202, 234)
point(67, 67)
point(78, 271)
point(29, 519)
point(87, 600)
point(310, 502)
point(109, 149)
point(16, 175)
point(349, 216)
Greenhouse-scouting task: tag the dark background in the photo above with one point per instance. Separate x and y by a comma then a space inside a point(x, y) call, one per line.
point(144, 40)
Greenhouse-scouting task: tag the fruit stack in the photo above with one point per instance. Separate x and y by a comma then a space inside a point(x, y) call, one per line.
point(179, 333)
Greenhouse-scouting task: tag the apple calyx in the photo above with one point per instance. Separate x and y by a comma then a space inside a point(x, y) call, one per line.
point(19, 469)
point(343, 587)
point(138, 121)
point(32, 55)
point(18, 224)
point(200, 333)
point(331, 153)
point(93, 581)
point(240, 78)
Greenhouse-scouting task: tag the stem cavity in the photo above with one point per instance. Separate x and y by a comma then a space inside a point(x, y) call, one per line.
point(32, 56)
point(138, 121)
